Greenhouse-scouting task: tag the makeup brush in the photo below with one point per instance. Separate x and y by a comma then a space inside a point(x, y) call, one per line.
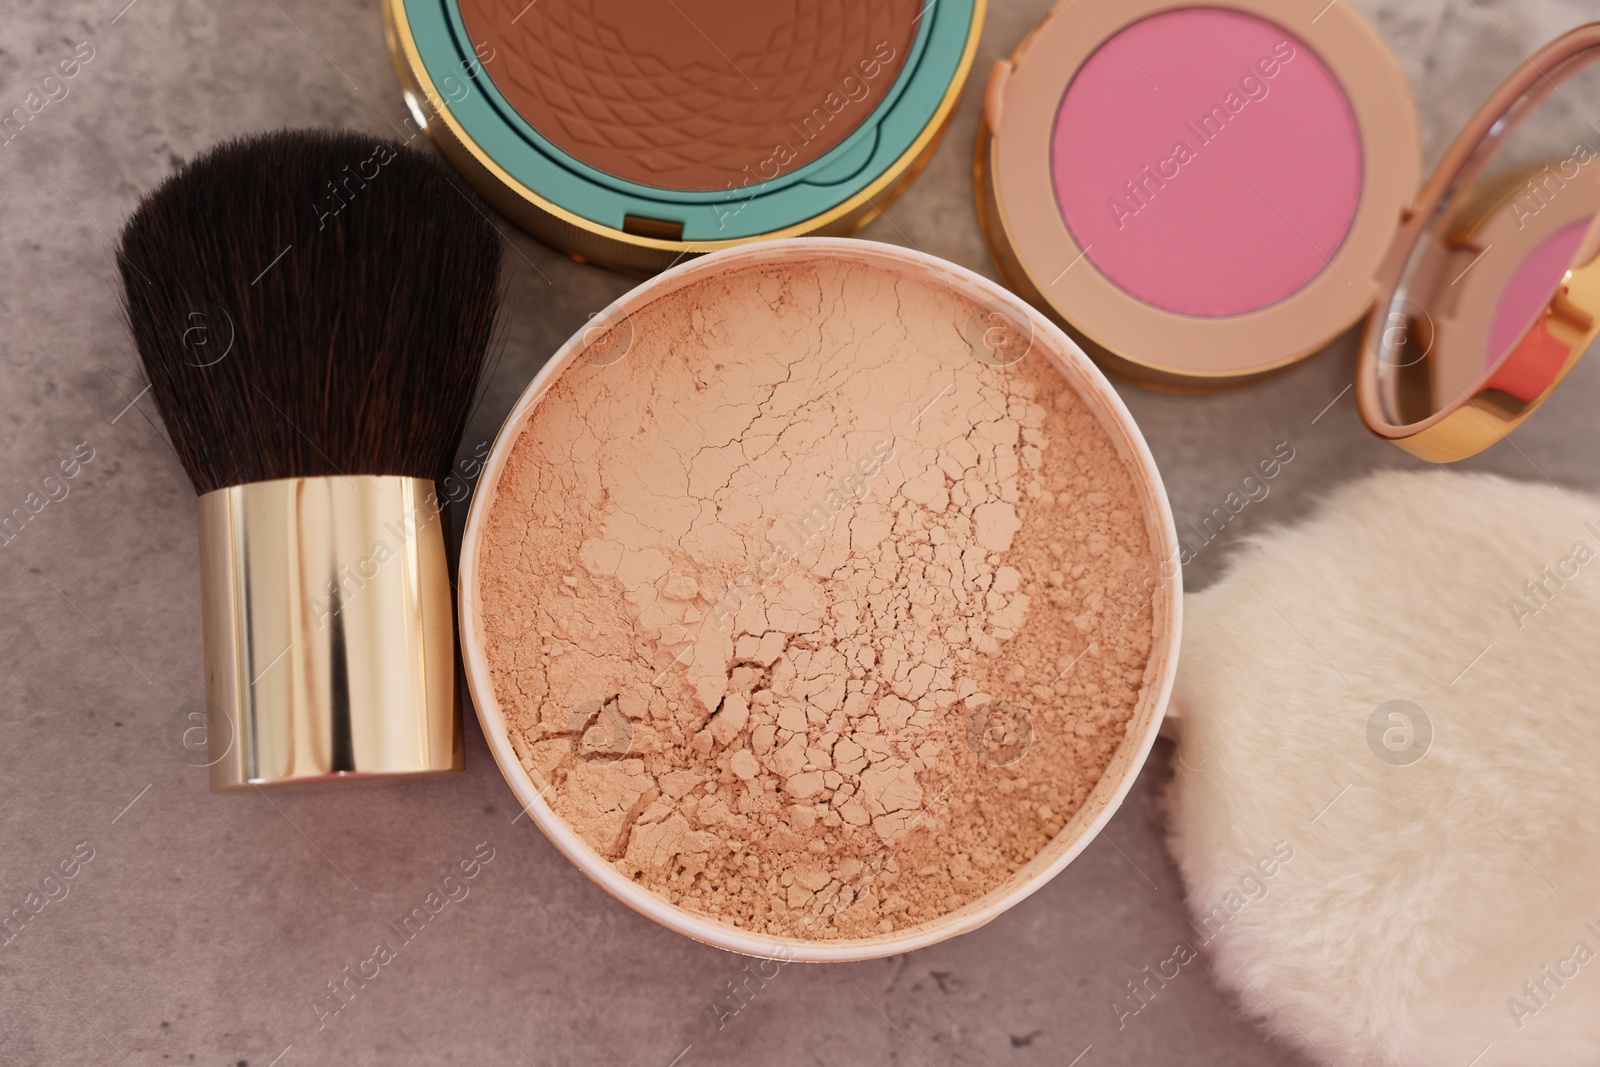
point(312, 310)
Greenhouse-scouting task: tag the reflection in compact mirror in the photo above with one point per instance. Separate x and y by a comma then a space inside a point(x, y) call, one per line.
point(1469, 322)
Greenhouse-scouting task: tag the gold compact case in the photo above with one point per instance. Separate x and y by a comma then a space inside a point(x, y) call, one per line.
point(1491, 291)
point(634, 133)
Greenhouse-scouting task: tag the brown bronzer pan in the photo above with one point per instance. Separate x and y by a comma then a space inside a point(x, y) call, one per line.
point(687, 94)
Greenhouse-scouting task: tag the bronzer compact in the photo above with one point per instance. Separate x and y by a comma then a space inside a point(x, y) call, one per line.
point(633, 132)
point(1205, 194)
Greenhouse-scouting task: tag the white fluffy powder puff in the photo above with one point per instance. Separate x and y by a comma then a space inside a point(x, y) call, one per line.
point(1439, 908)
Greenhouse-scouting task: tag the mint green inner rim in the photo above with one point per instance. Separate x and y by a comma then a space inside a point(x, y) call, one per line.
point(707, 215)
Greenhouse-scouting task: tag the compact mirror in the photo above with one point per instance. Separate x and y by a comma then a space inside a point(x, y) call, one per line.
point(1491, 292)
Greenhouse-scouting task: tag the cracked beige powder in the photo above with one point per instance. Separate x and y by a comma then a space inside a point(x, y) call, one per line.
point(805, 617)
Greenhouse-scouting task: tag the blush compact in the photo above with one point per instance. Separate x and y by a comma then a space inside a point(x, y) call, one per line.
point(1203, 195)
point(632, 133)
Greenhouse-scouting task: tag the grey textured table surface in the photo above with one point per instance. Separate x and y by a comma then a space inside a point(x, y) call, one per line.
point(205, 929)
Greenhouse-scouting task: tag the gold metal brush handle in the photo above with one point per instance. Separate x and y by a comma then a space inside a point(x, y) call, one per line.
point(329, 631)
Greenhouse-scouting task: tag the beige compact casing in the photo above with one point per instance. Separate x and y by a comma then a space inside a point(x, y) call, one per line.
point(1421, 383)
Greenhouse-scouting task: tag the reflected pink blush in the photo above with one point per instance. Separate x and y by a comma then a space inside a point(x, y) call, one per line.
point(1532, 285)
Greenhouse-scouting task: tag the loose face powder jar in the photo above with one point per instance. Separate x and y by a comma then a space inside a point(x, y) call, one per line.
point(819, 599)
point(1204, 194)
point(631, 133)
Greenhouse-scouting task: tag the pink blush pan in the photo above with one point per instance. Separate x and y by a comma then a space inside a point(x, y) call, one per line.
point(1207, 162)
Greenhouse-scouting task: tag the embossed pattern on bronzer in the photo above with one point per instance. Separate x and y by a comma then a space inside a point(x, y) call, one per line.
point(693, 94)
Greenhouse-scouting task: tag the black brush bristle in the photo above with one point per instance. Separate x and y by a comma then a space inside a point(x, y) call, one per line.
point(308, 303)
